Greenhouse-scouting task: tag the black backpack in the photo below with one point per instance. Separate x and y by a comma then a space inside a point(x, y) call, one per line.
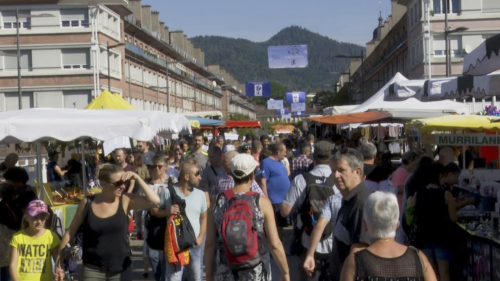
point(317, 191)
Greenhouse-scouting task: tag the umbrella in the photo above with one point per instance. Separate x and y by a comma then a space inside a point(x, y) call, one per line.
point(484, 59)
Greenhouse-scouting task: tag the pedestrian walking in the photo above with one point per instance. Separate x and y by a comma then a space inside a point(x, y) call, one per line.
point(307, 195)
point(385, 259)
point(239, 214)
point(274, 180)
point(197, 152)
point(196, 212)
point(106, 248)
point(120, 156)
point(303, 163)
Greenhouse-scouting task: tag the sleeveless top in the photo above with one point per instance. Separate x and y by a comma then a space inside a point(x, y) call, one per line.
point(261, 272)
point(105, 241)
point(370, 267)
point(52, 176)
point(433, 220)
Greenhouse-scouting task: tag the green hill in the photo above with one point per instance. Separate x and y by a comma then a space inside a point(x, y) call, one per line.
point(247, 60)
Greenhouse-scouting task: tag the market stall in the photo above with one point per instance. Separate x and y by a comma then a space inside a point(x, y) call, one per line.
point(44, 124)
point(477, 237)
point(107, 100)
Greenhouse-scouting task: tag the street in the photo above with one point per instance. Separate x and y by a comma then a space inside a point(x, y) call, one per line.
point(138, 265)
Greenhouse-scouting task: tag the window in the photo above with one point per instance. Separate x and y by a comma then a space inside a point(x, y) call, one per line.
point(76, 58)
point(439, 45)
point(9, 19)
point(491, 6)
point(453, 6)
point(74, 18)
point(10, 60)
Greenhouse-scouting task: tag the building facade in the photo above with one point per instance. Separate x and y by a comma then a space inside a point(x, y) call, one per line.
point(70, 53)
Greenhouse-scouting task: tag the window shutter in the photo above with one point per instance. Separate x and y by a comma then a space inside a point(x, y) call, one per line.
point(76, 57)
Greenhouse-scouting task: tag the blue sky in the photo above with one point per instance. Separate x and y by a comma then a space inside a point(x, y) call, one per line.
point(257, 20)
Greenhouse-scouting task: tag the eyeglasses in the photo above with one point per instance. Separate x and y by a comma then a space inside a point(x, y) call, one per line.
point(197, 173)
point(117, 183)
point(158, 166)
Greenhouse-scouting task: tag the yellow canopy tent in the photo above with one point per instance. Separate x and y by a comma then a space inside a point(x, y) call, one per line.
point(124, 102)
point(106, 100)
point(457, 122)
point(195, 124)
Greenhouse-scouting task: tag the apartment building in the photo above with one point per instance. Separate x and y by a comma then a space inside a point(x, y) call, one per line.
point(400, 43)
point(386, 55)
point(65, 50)
point(481, 18)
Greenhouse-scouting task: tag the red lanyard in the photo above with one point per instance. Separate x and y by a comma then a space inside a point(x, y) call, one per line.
point(14, 214)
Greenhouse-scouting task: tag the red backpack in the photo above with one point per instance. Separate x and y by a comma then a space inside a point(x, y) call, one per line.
point(242, 237)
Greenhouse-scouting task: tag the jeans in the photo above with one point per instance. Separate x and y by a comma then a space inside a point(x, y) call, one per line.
point(202, 264)
point(4, 273)
point(193, 269)
point(156, 261)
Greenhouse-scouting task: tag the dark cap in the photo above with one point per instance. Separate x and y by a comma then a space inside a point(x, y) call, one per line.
point(323, 149)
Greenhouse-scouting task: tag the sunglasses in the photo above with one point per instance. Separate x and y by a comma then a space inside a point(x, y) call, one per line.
point(117, 183)
point(197, 173)
point(158, 166)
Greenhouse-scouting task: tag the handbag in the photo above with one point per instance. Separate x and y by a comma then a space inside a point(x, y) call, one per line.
point(185, 237)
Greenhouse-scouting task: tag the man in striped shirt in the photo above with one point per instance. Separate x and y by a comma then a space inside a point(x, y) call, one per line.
point(303, 163)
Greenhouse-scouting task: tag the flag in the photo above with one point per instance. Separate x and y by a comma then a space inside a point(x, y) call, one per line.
point(295, 97)
point(258, 89)
point(286, 116)
point(283, 111)
point(292, 56)
point(274, 104)
point(299, 106)
point(299, 113)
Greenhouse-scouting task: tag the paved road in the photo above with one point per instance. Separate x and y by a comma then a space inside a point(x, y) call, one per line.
point(138, 265)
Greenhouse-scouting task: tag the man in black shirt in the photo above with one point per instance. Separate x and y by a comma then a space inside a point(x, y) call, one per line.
point(24, 194)
point(347, 166)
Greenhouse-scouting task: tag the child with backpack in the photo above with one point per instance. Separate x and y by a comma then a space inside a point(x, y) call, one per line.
point(238, 228)
point(33, 247)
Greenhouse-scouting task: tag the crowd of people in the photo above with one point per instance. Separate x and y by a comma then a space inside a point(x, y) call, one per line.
point(354, 216)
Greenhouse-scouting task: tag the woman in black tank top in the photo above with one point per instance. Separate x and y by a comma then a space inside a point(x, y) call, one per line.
point(103, 221)
point(384, 259)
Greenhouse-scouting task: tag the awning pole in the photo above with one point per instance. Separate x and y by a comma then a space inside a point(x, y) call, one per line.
point(84, 169)
point(463, 157)
point(41, 187)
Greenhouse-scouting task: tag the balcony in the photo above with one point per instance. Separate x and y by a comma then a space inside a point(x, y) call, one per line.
point(242, 104)
point(161, 63)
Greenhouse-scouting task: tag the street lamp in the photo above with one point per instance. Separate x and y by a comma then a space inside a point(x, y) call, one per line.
point(108, 47)
point(17, 24)
point(167, 63)
point(447, 32)
point(362, 57)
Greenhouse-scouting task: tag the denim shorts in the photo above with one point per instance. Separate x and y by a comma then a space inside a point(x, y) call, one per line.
point(434, 251)
point(280, 221)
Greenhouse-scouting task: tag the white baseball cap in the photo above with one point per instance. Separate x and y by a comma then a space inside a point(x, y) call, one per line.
point(229, 147)
point(245, 164)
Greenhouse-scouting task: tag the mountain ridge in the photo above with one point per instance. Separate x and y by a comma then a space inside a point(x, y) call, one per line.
point(247, 60)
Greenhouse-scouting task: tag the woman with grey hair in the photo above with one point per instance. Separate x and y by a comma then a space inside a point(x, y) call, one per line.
point(385, 258)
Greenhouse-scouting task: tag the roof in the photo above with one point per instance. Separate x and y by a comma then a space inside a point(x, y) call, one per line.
point(241, 124)
point(359, 117)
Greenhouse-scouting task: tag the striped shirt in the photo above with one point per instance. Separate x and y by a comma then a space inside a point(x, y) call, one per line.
point(300, 165)
point(224, 182)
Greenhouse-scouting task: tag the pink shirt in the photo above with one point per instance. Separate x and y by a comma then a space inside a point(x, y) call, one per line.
point(398, 179)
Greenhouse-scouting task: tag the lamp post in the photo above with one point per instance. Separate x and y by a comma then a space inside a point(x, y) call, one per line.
point(362, 57)
point(108, 47)
point(447, 32)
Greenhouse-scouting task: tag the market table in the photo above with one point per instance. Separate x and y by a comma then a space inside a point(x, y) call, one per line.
point(68, 213)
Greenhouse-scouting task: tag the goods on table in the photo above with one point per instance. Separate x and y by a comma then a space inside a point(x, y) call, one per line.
point(72, 195)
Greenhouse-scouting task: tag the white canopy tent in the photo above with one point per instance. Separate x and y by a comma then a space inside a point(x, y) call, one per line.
point(334, 110)
point(39, 124)
point(205, 114)
point(410, 107)
point(484, 59)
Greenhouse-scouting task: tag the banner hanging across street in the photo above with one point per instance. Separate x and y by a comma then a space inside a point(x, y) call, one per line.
point(295, 97)
point(258, 89)
point(286, 116)
point(283, 111)
point(274, 104)
point(287, 56)
point(299, 106)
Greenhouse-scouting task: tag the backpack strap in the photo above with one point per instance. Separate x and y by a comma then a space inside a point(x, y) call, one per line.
point(228, 193)
point(311, 179)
